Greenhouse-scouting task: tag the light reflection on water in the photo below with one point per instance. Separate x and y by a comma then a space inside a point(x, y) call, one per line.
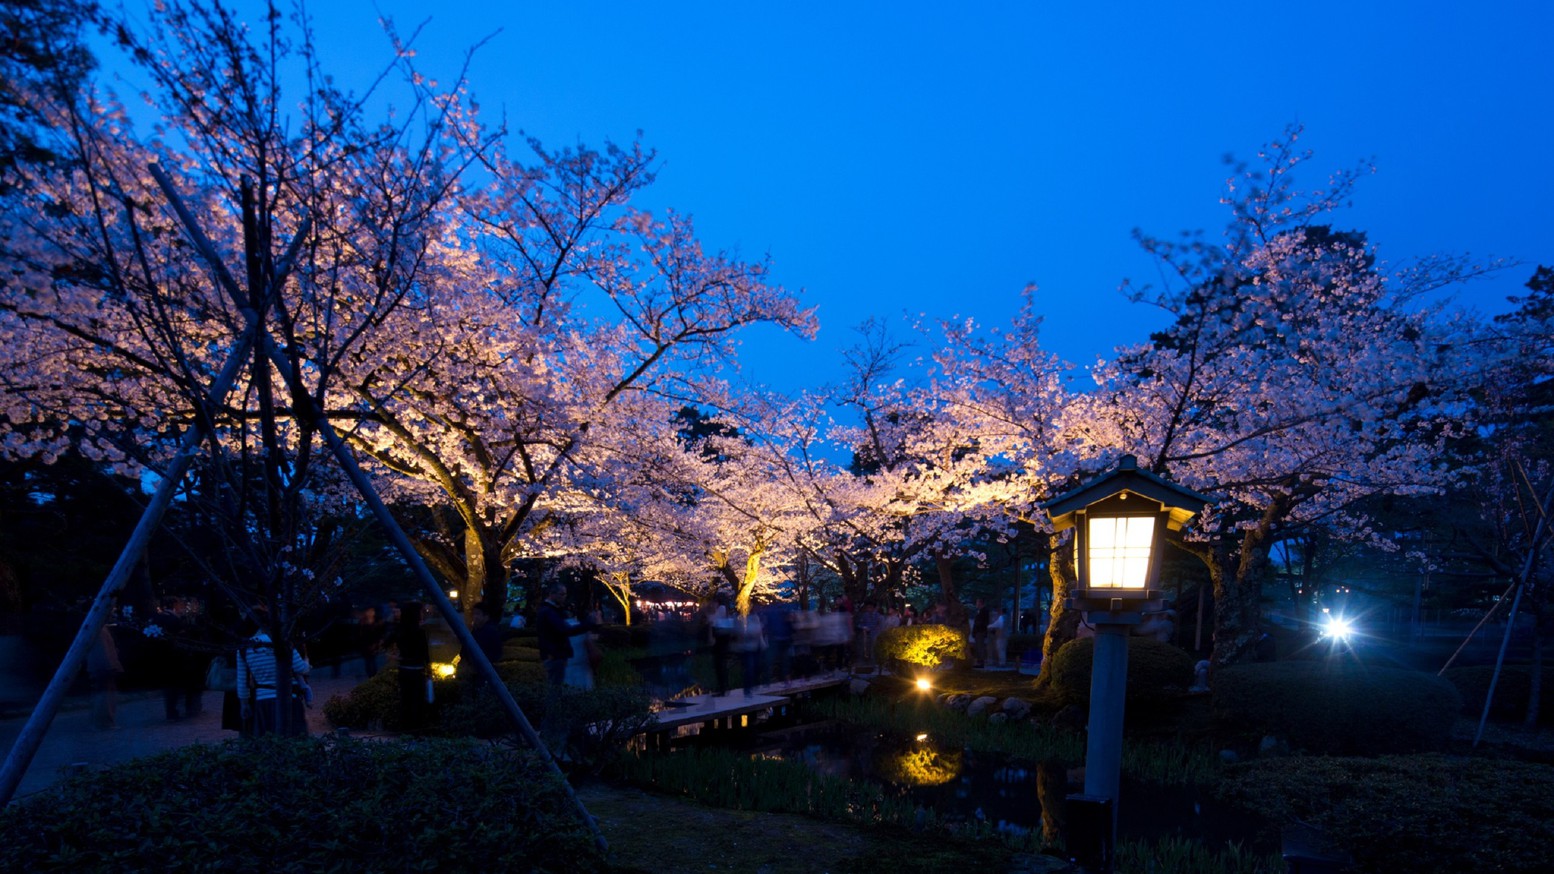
point(962, 786)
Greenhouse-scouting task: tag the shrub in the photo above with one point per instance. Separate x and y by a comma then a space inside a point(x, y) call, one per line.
point(625, 636)
point(1511, 693)
point(1411, 813)
point(1021, 643)
point(921, 645)
point(1156, 671)
point(521, 649)
point(375, 702)
point(1338, 709)
point(598, 722)
point(304, 805)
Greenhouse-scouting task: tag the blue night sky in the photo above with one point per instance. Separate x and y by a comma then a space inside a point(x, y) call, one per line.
point(934, 158)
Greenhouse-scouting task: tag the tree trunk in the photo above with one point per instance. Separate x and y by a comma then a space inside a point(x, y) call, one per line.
point(1535, 680)
point(1237, 611)
point(954, 610)
point(746, 588)
point(619, 585)
point(894, 590)
point(854, 584)
point(802, 590)
point(1063, 622)
point(485, 576)
point(1238, 592)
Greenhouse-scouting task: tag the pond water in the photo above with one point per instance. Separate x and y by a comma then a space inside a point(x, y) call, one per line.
point(1013, 796)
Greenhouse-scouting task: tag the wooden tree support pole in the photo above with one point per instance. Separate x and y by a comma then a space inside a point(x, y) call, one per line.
point(1523, 580)
point(445, 606)
point(27, 743)
point(364, 487)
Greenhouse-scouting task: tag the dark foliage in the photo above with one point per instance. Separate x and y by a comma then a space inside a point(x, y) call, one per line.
point(598, 722)
point(1411, 814)
point(1511, 693)
point(1156, 671)
point(306, 805)
point(1338, 708)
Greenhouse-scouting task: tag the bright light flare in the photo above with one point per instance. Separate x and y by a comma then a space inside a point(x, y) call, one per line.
point(922, 736)
point(924, 684)
point(1338, 628)
point(443, 670)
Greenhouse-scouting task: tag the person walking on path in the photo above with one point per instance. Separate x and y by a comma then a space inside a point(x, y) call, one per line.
point(867, 626)
point(414, 668)
point(580, 667)
point(104, 668)
point(750, 642)
point(979, 623)
point(256, 693)
point(719, 636)
point(369, 640)
point(997, 638)
point(486, 628)
point(777, 620)
point(555, 634)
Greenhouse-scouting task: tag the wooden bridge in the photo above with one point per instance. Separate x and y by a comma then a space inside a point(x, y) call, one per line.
point(695, 714)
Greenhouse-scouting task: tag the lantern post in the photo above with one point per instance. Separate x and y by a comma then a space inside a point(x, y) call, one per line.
point(1120, 520)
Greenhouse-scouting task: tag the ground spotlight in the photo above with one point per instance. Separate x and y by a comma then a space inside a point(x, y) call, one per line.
point(1338, 628)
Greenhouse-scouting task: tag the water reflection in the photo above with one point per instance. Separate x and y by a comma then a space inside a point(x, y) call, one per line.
point(953, 785)
point(922, 763)
point(948, 783)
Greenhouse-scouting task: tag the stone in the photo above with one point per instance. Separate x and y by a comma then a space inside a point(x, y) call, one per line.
point(958, 701)
point(1000, 716)
point(1017, 708)
point(858, 686)
point(981, 705)
point(1229, 757)
point(1272, 746)
point(1200, 677)
point(1072, 717)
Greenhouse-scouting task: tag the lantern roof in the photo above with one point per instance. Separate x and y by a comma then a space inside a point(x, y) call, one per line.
point(1182, 503)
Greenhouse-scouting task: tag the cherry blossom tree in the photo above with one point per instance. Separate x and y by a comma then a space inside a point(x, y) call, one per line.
point(143, 265)
point(946, 450)
point(1509, 490)
point(1296, 381)
point(1034, 430)
point(42, 52)
point(530, 358)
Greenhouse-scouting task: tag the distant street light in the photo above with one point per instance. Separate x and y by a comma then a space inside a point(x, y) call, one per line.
point(1119, 519)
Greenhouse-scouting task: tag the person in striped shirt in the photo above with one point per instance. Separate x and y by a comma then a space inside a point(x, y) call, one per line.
point(256, 685)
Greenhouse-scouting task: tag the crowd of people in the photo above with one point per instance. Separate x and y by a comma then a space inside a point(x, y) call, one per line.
point(778, 642)
point(781, 642)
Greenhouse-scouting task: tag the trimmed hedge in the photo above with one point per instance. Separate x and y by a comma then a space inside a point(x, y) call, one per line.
point(1156, 671)
point(1338, 709)
point(1511, 693)
point(923, 646)
point(1411, 813)
point(305, 805)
